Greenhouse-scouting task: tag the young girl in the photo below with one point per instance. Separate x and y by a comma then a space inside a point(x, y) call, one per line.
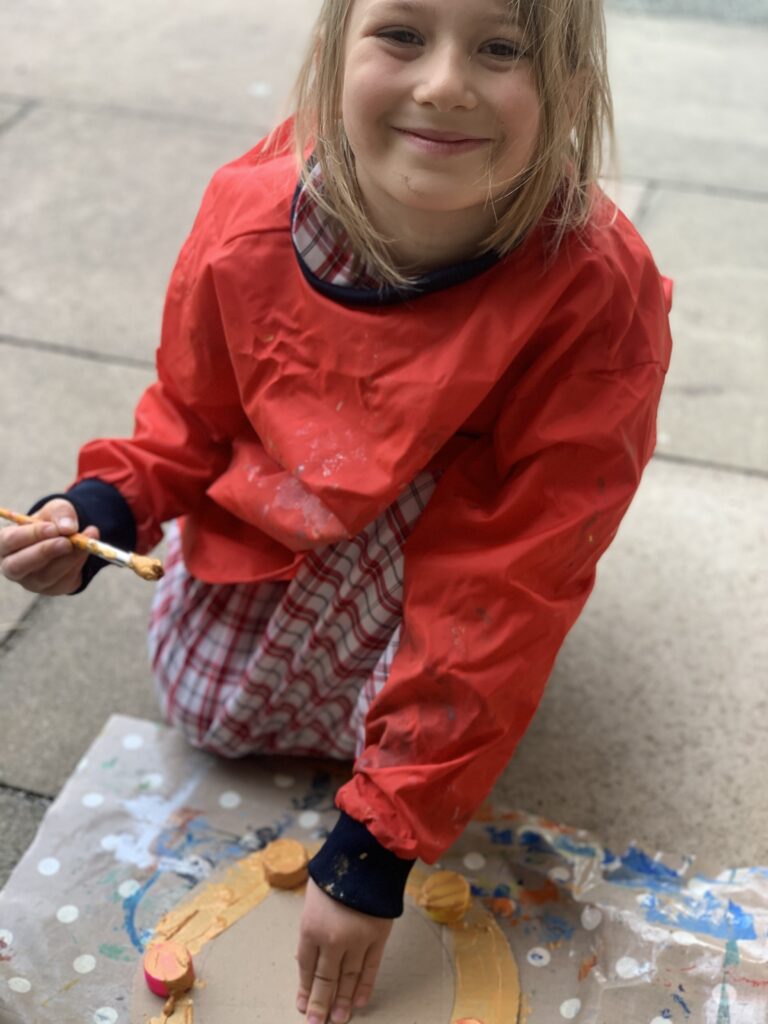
point(405, 394)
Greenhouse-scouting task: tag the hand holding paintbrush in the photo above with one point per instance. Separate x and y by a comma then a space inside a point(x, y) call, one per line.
point(147, 568)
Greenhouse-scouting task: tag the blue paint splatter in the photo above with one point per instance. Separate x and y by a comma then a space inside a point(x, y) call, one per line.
point(138, 939)
point(681, 1002)
point(534, 842)
point(636, 869)
point(501, 836)
point(566, 845)
point(320, 795)
point(704, 914)
point(556, 928)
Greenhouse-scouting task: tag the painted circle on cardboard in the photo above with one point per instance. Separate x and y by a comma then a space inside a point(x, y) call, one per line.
point(105, 1015)
point(85, 964)
point(67, 914)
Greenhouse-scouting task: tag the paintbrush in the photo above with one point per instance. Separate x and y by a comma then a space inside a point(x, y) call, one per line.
point(148, 568)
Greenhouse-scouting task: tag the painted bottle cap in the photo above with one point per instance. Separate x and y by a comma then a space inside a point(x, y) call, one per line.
point(285, 863)
point(446, 897)
point(168, 968)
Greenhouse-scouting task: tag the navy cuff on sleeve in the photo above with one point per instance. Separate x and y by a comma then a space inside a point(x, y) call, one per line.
point(99, 504)
point(355, 869)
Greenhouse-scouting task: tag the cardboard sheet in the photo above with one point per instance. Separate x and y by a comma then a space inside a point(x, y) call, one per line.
point(599, 937)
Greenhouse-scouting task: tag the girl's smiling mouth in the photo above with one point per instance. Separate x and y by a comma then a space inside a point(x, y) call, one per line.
point(431, 141)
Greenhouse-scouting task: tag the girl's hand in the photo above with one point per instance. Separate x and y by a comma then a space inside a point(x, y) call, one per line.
point(38, 557)
point(340, 951)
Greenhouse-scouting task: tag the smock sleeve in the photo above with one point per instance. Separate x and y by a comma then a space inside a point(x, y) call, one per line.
point(496, 572)
point(185, 418)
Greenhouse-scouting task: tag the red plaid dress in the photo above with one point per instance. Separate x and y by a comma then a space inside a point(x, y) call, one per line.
point(288, 667)
point(292, 666)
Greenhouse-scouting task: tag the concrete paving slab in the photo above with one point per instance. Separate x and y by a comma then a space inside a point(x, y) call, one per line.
point(716, 10)
point(234, 60)
point(88, 236)
point(716, 249)
point(653, 725)
point(628, 196)
point(21, 814)
point(8, 111)
point(40, 391)
point(82, 659)
point(683, 110)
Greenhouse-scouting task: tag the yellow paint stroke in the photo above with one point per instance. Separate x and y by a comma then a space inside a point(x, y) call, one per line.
point(487, 984)
point(487, 981)
point(210, 911)
point(216, 906)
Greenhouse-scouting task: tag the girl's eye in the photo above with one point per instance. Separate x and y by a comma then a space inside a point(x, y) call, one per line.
point(401, 36)
point(504, 50)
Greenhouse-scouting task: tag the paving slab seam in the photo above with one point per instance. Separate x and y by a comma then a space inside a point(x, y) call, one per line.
point(14, 633)
point(723, 467)
point(701, 188)
point(24, 110)
point(7, 787)
point(73, 352)
point(141, 113)
point(650, 188)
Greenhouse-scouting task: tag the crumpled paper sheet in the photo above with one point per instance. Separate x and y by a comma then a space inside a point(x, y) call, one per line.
point(600, 938)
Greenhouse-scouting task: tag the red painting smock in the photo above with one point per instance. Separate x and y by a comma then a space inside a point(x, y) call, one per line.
point(284, 420)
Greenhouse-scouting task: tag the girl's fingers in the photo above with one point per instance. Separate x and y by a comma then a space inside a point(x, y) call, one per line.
point(50, 566)
point(351, 970)
point(368, 976)
point(16, 538)
point(324, 985)
point(307, 959)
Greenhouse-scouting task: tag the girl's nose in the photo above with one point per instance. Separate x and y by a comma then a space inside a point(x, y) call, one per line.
point(445, 80)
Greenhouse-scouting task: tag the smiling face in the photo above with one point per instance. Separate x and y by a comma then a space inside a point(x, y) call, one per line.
point(439, 105)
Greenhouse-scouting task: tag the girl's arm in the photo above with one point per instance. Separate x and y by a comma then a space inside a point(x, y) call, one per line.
point(496, 572)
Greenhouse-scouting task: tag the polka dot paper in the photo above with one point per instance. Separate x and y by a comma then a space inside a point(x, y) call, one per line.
point(599, 936)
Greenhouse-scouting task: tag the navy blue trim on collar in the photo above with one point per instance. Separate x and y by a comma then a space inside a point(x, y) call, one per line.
point(389, 294)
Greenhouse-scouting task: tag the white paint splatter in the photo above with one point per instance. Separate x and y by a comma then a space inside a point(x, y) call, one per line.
point(591, 918)
point(67, 914)
point(21, 985)
point(570, 1009)
point(627, 967)
point(309, 819)
point(538, 956)
point(49, 866)
point(150, 814)
point(92, 800)
point(474, 861)
point(105, 1015)
point(133, 741)
point(84, 964)
point(230, 800)
point(561, 875)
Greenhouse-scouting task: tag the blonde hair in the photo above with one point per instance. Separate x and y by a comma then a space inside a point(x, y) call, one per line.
point(565, 39)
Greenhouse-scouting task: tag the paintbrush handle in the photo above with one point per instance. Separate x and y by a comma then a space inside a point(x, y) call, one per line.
point(146, 568)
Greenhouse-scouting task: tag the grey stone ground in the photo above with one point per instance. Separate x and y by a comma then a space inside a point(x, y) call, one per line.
point(112, 118)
